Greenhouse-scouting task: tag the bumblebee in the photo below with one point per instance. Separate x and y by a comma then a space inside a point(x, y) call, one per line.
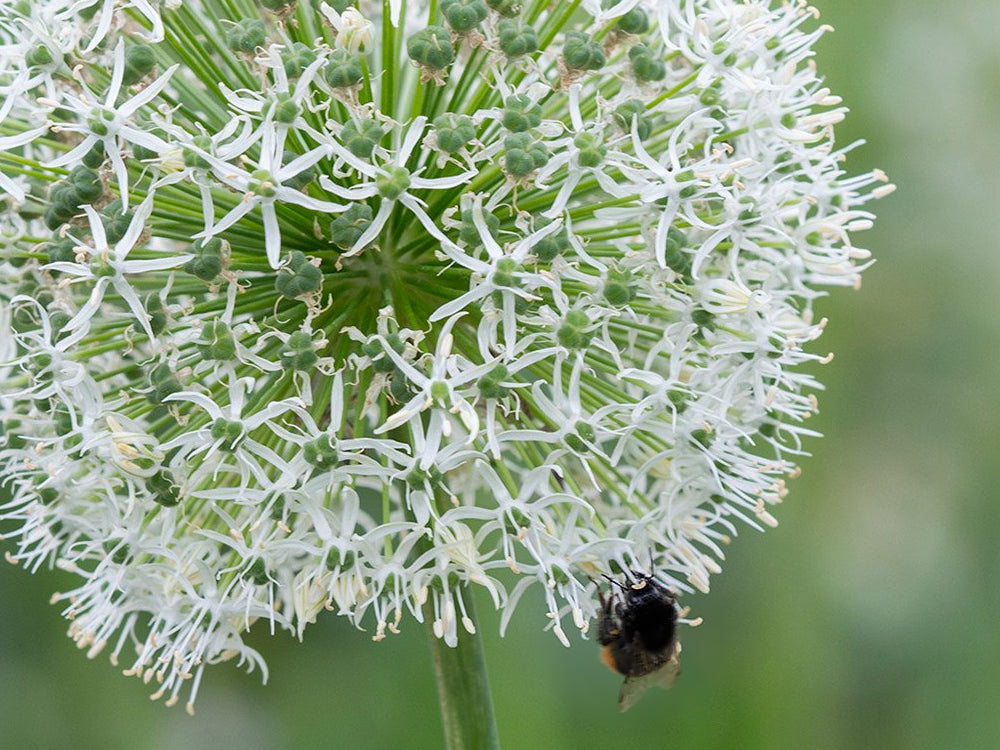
point(638, 635)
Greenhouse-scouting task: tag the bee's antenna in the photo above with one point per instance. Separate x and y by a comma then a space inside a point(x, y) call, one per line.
point(613, 582)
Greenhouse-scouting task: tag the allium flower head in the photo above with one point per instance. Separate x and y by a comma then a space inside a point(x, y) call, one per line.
point(348, 305)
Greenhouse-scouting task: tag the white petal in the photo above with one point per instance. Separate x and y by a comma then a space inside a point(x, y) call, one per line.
point(272, 233)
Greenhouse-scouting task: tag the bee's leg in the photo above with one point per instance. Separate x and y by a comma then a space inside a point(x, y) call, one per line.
point(608, 629)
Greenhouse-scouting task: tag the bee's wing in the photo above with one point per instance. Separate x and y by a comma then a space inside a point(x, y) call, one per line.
point(664, 676)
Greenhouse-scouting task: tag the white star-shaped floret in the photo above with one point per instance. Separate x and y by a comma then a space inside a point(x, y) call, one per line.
point(110, 266)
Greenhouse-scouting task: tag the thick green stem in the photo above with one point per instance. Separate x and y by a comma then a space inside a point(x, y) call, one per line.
point(464, 689)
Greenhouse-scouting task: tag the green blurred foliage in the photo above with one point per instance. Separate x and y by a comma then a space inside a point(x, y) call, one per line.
point(867, 619)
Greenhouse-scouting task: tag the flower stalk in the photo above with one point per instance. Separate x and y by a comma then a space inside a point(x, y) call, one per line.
point(464, 688)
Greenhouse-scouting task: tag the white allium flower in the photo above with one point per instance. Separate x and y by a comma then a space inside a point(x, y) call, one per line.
point(336, 304)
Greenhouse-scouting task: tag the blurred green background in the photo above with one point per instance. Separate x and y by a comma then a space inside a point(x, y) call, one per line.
point(868, 619)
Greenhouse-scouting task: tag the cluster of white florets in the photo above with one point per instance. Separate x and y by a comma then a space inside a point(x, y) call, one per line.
point(309, 304)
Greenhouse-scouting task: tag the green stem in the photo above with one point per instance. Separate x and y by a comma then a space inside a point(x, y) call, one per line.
point(464, 689)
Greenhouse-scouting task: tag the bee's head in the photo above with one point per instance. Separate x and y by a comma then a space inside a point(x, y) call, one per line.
point(639, 587)
point(643, 587)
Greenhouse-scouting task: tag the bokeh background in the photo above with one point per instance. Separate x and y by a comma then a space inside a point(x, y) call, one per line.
point(870, 618)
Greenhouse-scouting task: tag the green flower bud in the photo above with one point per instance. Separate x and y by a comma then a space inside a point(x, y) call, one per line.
point(374, 349)
point(347, 228)
point(336, 558)
point(591, 152)
point(163, 489)
point(297, 58)
point(262, 183)
point(581, 53)
point(61, 250)
point(87, 184)
point(710, 95)
point(298, 352)
point(286, 109)
point(516, 38)
point(678, 398)
point(619, 287)
point(523, 155)
point(55, 216)
point(62, 423)
point(217, 342)
point(118, 553)
point(246, 36)
point(399, 387)
point(439, 391)
point(94, 158)
point(64, 195)
point(469, 233)
point(193, 159)
point(508, 8)
point(101, 268)
point(521, 305)
point(646, 67)
point(141, 153)
point(431, 48)
point(551, 246)
point(520, 114)
point(515, 520)
point(769, 429)
point(343, 69)
point(277, 511)
point(158, 317)
point(490, 385)
point(676, 259)
point(24, 317)
point(505, 273)
point(208, 260)
point(571, 333)
point(298, 277)
point(321, 452)
point(701, 437)
point(463, 15)
point(453, 131)
point(228, 433)
point(634, 111)
point(393, 183)
point(140, 61)
point(361, 138)
point(383, 364)
point(162, 383)
point(99, 121)
point(116, 221)
point(634, 21)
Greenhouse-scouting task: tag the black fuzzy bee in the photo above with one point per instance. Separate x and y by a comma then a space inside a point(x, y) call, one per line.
point(638, 635)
